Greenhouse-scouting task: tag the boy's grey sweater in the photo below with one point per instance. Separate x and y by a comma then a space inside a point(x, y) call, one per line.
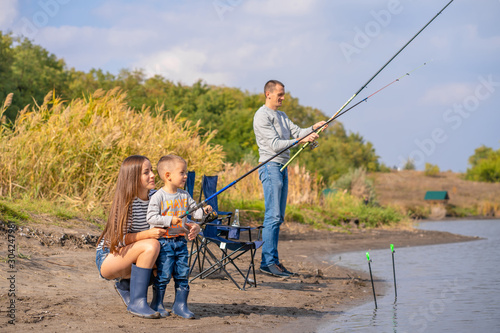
point(273, 132)
point(163, 205)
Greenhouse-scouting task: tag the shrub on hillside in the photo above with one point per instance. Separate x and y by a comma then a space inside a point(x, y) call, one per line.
point(485, 165)
point(431, 170)
point(409, 165)
point(356, 182)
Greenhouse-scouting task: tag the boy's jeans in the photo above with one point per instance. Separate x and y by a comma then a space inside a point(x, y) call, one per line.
point(172, 261)
point(275, 185)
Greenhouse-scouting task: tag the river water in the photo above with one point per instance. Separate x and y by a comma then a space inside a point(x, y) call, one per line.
point(440, 288)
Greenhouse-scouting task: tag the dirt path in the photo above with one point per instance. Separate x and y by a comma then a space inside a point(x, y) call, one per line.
point(57, 288)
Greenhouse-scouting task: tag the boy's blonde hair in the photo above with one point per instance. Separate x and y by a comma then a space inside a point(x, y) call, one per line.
point(168, 163)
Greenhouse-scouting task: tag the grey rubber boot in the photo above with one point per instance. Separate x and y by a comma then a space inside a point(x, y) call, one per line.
point(139, 282)
point(157, 302)
point(123, 289)
point(180, 306)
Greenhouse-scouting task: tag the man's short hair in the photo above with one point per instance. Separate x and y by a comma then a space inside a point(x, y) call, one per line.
point(271, 84)
point(168, 163)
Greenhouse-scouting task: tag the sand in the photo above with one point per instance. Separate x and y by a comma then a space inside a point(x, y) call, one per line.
point(57, 287)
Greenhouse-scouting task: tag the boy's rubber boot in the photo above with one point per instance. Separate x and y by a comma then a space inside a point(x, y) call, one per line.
point(157, 302)
point(180, 306)
point(139, 282)
point(123, 289)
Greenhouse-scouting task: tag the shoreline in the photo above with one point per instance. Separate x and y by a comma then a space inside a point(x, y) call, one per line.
point(58, 288)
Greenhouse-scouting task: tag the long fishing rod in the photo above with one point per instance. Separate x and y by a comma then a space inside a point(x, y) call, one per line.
point(321, 128)
point(202, 203)
point(370, 80)
point(338, 114)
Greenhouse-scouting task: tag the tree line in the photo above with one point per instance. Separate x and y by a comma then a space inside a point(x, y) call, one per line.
point(29, 72)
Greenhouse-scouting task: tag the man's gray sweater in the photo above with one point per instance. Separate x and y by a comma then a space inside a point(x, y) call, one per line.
point(273, 132)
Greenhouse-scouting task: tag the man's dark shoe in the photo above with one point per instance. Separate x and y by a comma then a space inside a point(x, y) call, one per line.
point(283, 268)
point(274, 270)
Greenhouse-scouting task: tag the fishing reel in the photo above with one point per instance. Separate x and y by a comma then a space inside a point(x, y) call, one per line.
point(313, 144)
point(210, 217)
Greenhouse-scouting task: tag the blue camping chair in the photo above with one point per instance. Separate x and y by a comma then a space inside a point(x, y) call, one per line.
point(208, 188)
point(213, 241)
point(218, 244)
point(189, 186)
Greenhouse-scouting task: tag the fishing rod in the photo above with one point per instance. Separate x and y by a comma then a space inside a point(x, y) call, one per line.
point(202, 203)
point(367, 82)
point(321, 128)
point(338, 114)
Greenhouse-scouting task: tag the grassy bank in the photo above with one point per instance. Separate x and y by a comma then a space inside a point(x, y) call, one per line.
point(405, 191)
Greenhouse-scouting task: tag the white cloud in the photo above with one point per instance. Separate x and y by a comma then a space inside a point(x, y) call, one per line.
point(447, 94)
point(8, 13)
point(182, 65)
point(280, 8)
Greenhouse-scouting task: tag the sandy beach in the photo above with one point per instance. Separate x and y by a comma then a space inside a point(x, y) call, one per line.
point(57, 288)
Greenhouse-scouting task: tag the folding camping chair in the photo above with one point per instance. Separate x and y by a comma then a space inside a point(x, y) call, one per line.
point(222, 236)
point(230, 250)
point(189, 186)
point(208, 188)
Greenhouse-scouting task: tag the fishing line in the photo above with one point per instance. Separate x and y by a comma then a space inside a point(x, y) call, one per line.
point(202, 203)
point(336, 115)
point(367, 82)
point(319, 129)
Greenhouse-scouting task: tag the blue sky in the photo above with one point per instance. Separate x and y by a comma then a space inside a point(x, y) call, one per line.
point(324, 51)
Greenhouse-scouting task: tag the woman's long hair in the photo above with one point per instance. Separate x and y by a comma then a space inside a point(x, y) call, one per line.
point(127, 189)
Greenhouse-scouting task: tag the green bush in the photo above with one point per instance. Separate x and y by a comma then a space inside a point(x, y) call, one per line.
point(431, 170)
point(356, 182)
point(485, 165)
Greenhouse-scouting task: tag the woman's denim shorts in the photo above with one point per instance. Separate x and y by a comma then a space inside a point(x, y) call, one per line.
point(100, 255)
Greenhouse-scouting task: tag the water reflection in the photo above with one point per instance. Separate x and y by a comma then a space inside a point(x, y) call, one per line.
point(395, 316)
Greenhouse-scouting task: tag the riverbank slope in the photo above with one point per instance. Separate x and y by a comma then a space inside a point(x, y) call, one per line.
point(58, 288)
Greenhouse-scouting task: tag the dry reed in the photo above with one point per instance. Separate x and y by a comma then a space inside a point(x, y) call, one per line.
point(72, 152)
point(303, 187)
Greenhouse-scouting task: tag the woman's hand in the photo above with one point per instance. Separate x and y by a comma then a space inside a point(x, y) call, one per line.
point(194, 230)
point(154, 233)
point(157, 233)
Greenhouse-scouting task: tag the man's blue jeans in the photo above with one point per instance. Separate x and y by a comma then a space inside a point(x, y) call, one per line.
point(275, 185)
point(172, 261)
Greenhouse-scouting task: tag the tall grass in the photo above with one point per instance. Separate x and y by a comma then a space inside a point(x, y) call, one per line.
point(72, 151)
point(351, 208)
point(303, 187)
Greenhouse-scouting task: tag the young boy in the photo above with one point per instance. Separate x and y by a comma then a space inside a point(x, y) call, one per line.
point(164, 209)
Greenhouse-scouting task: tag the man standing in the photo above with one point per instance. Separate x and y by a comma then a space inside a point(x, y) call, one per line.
point(273, 132)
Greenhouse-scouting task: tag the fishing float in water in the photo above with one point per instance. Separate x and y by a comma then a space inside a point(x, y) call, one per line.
point(371, 277)
point(394, 273)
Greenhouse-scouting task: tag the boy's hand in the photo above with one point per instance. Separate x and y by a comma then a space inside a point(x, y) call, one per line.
point(176, 220)
point(194, 230)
